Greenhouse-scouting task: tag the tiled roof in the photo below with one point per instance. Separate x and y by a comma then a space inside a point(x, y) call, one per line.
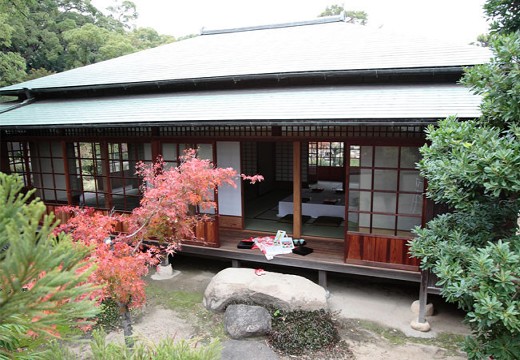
point(327, 47)
point(339, 104)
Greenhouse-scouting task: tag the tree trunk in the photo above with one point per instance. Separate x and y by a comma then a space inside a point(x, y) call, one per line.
point(126, 322)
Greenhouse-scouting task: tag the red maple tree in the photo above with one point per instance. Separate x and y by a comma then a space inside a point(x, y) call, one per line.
point(171, 205)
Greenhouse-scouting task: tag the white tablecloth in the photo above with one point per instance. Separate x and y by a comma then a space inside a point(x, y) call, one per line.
point(315, 206)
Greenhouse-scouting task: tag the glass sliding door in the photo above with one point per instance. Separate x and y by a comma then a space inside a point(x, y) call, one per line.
point(385, 190)
point(124, 182)
point(171, 153)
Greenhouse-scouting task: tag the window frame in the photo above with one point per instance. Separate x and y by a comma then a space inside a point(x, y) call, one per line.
point(397, 214)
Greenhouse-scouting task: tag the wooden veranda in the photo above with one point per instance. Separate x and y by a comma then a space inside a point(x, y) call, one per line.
point(327, 256)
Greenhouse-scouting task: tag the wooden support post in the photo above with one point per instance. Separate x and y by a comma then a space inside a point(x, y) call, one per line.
point(105, 161)
point(156, 144)
point(66, 170)
point(322, 281)
point(4, 157)
point(235, 263)
point(322, 278)
point(423, 296)
point(297, 195)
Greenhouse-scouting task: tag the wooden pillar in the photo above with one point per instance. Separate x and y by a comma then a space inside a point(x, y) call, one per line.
point(66, 170)
point(322, 278)
point(4, 157)
point(297, 195)
point(423, 296)
point(156, 144)
point(105, 165)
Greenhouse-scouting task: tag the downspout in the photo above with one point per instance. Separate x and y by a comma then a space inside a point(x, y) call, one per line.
point(29, 98)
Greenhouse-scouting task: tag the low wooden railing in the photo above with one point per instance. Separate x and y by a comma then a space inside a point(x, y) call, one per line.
point(380, 251)
point(206, 230)
point(206, 233)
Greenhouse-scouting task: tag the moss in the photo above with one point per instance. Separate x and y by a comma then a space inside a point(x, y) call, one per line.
point(188, 305)
point(393, 336)
point(173, 299)
point(448, 341)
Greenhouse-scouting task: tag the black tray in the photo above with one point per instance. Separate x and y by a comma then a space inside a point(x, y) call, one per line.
point(302, 250)
point(245, 244)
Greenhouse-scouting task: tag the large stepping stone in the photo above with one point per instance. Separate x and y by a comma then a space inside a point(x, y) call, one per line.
point(244, 349)
point(282, 291)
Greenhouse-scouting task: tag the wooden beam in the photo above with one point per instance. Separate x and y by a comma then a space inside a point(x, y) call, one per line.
point(297, 195)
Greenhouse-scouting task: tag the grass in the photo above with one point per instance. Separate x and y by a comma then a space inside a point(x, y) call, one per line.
point(188, 305)
point(181, 301)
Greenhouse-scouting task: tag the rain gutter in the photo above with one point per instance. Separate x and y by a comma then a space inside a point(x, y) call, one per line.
point(278, 77)
point(299, 122)
point(29, 98)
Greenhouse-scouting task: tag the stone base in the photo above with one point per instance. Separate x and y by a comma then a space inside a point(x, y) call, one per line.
point(415, 308)
point(165, 273)
point(423, 327)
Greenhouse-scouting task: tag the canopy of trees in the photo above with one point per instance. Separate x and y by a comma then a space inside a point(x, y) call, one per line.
point(41, 37)
point(354, 17)
point(474, 168)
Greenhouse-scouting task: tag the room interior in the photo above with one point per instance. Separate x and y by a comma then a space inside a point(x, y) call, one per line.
point(269, 207)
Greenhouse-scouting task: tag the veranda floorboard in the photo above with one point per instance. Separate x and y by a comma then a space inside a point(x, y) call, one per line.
point(328, 256)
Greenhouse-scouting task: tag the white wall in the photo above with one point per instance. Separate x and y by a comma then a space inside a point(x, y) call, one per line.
point(229, 198)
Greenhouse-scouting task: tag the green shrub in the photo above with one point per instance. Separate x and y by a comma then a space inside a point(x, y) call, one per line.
point(166, 349)
point(295, 332)
point(34, 264)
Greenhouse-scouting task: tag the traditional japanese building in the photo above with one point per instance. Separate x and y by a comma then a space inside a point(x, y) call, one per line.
point(330, 113)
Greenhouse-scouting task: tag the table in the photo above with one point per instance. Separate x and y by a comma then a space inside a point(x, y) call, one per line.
point(315, 205)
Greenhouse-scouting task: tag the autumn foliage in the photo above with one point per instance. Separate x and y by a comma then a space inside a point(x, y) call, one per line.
point(173, 201)
point(119, 269)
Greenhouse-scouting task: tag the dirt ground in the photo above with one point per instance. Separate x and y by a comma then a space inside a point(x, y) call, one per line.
point(175, 305)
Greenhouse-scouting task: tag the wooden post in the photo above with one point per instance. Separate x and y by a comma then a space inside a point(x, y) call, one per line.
point(155, 144)
point(297, 195)
point(105, 161)
point(423, 296)
point(4, 157)
point(322, 278)
point(66, 170)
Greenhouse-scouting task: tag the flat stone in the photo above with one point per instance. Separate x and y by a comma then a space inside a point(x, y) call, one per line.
point(282, 291)
point(241, 321)
point(423, 327)
point(415, 308)
point(244, 349)
point(164, 273)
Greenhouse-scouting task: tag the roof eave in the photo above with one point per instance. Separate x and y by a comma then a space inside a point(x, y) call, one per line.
point(322, 74)
point(258, 122)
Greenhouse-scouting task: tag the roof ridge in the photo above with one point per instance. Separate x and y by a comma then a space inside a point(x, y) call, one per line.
point(320, 20)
